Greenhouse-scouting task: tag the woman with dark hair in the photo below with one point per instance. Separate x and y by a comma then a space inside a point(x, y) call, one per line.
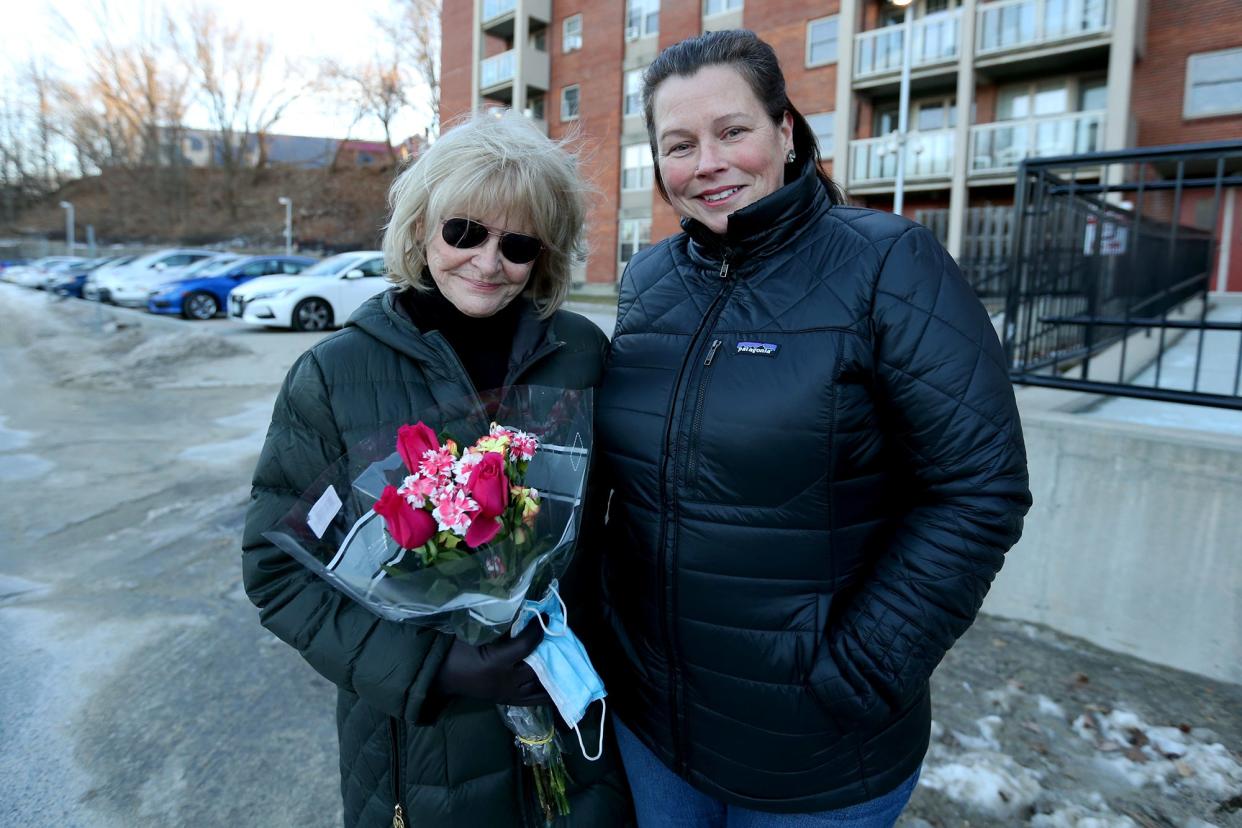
point(816, 468)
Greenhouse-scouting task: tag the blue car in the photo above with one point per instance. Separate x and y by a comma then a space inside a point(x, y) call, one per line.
point(204, 294)
point(71, 281)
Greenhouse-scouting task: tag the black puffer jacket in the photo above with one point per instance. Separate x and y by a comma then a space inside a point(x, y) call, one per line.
point(452, 766)
point(817, 467)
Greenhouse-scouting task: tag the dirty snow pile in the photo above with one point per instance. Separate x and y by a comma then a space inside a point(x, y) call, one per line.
point(1167, 757)
point(977, 769)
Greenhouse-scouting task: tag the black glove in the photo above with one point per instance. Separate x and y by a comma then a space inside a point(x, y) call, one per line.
point(494, 672)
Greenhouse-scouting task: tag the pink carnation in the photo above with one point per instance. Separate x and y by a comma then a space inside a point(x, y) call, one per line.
point(437, 463)
point(523, 445)
point(454, 510)
point(417, 488)
point(461, 472)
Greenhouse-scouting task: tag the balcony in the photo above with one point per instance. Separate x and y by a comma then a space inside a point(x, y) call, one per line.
point(997, 148)
point(498, 71)
point(935, 41)
point(1006, 25)
point(929, 157)
point(497, 16)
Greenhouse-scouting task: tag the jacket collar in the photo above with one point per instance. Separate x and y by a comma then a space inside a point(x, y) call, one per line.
point(383, 318)
point(760, 228)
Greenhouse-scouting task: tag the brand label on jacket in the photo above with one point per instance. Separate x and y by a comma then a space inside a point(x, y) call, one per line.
point(758, 348)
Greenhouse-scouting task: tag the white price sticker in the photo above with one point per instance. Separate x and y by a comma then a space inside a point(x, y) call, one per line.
point(323, 511)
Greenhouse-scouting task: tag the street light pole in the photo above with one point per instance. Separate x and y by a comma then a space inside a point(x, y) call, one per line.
point(903, 105)
point(288, 202)
point(67, 206)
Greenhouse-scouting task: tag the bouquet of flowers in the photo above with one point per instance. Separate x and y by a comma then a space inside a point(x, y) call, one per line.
point(457, 535)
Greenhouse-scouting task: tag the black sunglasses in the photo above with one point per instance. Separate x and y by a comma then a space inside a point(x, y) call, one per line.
point(464, 233)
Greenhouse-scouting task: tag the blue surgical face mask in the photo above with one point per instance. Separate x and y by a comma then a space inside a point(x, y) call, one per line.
point(561, 663)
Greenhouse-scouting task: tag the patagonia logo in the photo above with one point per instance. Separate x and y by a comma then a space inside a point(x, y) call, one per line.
point(758, 348)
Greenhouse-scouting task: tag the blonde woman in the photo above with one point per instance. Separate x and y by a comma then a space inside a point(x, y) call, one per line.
point(483, 231)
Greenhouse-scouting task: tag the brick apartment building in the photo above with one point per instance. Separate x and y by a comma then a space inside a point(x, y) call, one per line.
point(1047, 77)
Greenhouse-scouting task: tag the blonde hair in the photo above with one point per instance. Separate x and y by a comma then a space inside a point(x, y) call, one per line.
point(495, 161)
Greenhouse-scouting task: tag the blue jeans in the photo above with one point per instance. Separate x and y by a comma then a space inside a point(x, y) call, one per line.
point(662, 799)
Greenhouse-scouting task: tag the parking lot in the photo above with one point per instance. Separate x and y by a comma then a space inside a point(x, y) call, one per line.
point(140, 690)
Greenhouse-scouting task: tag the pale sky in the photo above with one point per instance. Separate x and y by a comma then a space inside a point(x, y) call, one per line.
point(305, 29)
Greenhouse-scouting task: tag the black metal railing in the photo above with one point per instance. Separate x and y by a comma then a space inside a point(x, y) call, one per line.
point(1114, 259)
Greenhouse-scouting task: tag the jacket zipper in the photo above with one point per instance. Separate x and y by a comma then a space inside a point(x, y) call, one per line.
point(668, 497)
point(398, 813)
point(696, 425)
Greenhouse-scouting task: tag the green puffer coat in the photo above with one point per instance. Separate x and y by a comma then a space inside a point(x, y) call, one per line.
point(451, 766)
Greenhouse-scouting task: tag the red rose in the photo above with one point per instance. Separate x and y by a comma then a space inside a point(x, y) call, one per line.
point(488, 485)
point(409, 527)
point(413, 442)
point(482, 529)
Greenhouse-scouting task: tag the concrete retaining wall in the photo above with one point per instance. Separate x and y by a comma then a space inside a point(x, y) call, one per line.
point(1134, 541)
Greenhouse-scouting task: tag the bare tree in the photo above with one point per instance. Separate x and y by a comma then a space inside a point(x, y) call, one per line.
point(243, 93)
point(377, 89)
point(416, 30)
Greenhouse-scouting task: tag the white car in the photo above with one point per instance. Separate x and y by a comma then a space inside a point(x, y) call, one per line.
point(131, 284)
point(34, 274)
point(318, 298)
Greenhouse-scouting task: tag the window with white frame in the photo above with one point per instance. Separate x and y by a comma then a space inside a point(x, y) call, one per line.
point(821, 41)
point(711, 7)
point(635, 235)
point(637, 171)
point(571, 33)
point(633, 102)
point(823, 124)
point(569, 103)
point(1213, 83)
point(642, 18)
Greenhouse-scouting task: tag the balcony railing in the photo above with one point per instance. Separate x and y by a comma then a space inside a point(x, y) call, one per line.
point(495, 8)
point(929, 155)
point(497, 69)
point(935, 41)
point(998, 147)
point(1012, 24)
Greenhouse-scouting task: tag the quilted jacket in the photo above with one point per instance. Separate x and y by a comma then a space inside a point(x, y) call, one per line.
point(452, 763)
point(817, 467)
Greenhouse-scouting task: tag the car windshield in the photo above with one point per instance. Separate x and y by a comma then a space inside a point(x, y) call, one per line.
point(213, 267)
point(332, 265)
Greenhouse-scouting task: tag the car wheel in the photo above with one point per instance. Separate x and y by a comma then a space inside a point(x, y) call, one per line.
point(312, 315)
point(199, 306)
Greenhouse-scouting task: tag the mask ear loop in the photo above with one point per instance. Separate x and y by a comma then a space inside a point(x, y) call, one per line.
point(603, 714)
point(564, 614)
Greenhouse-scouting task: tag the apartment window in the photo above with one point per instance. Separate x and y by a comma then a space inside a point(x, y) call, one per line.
point(823, 124)
point(642, 18)
point(569, 103)
point(633, 103)
point(635, 235)
point(637, 172)
point(1051, 97)
point(539, 39)
point(711, 7)
point(571, 34)
point(1213, 83)
point(939, 113)
point(821, 41)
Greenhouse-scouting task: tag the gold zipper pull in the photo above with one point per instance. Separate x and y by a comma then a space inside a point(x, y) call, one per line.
point(398, 817)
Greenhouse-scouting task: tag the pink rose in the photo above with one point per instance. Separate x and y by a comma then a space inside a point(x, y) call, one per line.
point(488, 485)
point(409, 527)
point(482, 530)
point(415, 441)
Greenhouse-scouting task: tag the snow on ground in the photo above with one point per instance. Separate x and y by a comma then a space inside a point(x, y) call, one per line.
point(1167, 757)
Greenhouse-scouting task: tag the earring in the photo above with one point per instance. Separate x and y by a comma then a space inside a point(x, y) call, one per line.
point(790, 156)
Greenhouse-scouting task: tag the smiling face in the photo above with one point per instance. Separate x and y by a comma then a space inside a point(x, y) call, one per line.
point(718, 149)
point(478, 280)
